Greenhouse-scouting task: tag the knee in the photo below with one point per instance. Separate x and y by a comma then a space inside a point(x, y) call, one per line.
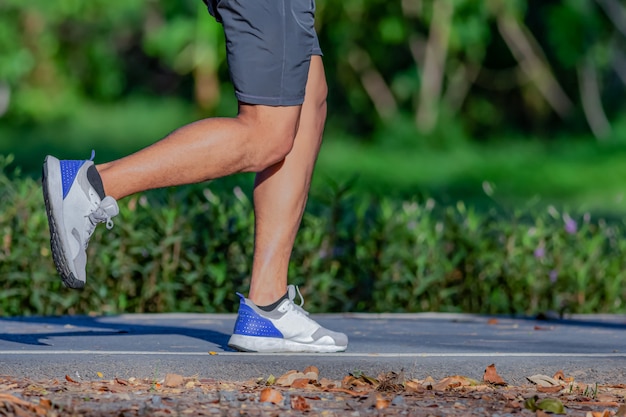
point(271, 140)
point(321, 94)
point(275, 144)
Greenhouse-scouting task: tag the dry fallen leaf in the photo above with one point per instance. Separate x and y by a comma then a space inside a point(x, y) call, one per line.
point(45, 403)
point(560, 376)
point(120, 381)
point(328, 383)
point(381, 402)
point(69, 379)
point(312, 373)
point(360, 381)
point(299, 403)
point(552, 389)
point(543, 380)
point(491, 376)
point(605, 413)
point(621, 411)
point(19, 403)
point(345, 391)
point(270, 395)
point(491, 322)
point(300, 383)
point(428, 382)
point(413, 386)
point(453, 382)
point(173, 380)
point(288, 377)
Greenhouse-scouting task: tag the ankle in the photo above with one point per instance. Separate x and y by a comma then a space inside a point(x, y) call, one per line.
point(275, 304)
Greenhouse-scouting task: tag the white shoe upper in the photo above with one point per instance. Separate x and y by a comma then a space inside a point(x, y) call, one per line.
point(299, 332)
point(75, 215)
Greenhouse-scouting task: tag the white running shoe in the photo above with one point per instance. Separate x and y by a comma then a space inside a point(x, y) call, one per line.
point(287, 328)
point(75, 204)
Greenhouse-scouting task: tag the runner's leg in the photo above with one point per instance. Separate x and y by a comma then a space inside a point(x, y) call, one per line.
point(257, 138)
point(280, 195)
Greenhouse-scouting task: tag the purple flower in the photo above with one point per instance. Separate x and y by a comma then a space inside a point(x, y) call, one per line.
point(570, 224)
point(540, 252)
point(554, 274)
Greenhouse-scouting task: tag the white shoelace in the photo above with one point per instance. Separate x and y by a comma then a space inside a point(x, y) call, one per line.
point(297, 307)
point(103, 214)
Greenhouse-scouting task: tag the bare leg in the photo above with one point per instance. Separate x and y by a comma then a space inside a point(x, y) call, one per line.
point(257, 140)
point(280, 195)
point(258, 137)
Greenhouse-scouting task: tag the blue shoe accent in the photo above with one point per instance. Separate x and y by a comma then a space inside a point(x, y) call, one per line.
point(69, 169)
point(250, 323)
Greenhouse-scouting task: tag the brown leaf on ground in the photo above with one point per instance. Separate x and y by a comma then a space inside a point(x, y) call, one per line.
point(492, 322)
point(45, 403)
point(328, 383)
point(452, 382)
point(391, 381)
point(621, 411)
point(286, 379)
point(297, 379)
point(312, 373)
point(550, 390)
point(361, 382)
point(491, 376)
point(543, 380)
point(428, 382)
point(345, 391)
point(381, 402)
point(599, 403)
point(173, 380)
point(605, 413)
point(20, 407)
point(300, 383)
point(560, 376)
point(413, 386)
point(120, 381)
point(299, 403)
point(69, 379)
point(270, 395)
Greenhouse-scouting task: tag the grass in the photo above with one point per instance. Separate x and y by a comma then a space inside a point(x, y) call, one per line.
point(581, 176)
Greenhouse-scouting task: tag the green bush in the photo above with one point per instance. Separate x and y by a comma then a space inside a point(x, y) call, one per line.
point(188, 249)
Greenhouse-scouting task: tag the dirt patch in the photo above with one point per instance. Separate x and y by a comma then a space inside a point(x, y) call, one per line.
point(300, 393)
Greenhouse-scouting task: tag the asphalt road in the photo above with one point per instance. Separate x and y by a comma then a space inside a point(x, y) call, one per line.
point(589, 348)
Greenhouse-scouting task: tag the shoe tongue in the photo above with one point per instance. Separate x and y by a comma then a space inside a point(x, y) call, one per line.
point(96, 182)
point(291, 292)
point(109, 205)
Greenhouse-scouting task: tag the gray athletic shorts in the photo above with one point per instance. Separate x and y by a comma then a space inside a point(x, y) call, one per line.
point(269, 44)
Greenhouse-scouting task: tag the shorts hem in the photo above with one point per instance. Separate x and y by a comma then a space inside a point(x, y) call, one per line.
point(269, 101)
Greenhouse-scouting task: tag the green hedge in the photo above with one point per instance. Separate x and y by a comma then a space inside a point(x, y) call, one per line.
point(188, 249)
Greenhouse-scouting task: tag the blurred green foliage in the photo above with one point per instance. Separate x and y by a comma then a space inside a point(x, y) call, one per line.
point(189, 249)
point(419, 87)
point(530, 66)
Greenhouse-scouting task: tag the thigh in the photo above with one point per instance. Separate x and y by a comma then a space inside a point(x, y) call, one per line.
point(269, 47)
